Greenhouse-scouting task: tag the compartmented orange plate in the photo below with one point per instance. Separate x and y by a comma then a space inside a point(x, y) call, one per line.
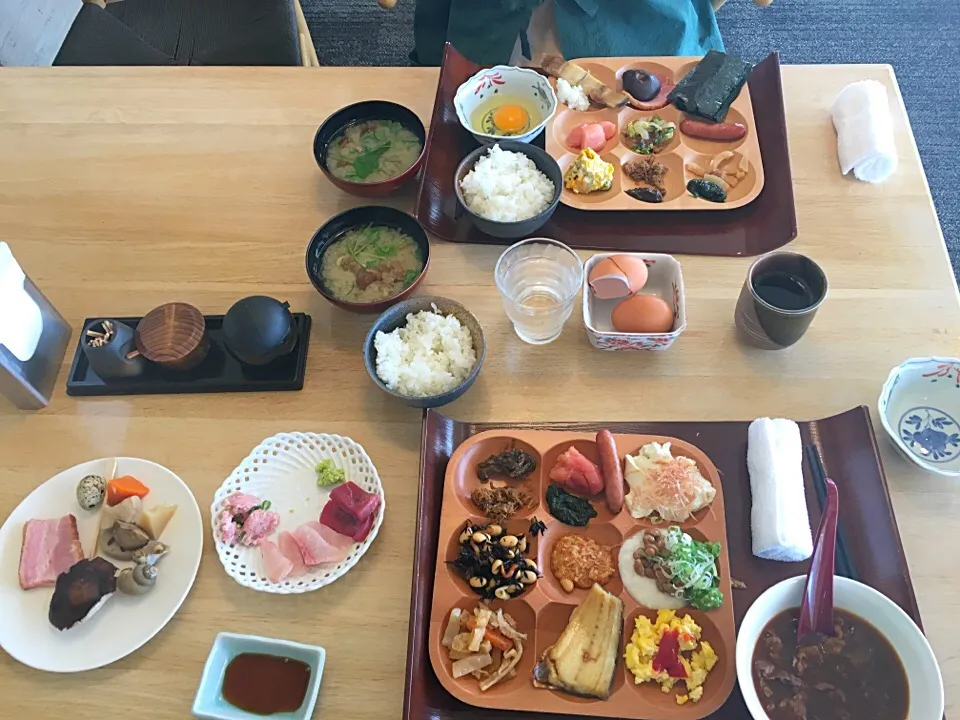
point(675, 156)
point(543, 610)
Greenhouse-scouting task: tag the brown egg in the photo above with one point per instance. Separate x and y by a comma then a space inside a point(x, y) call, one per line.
point(643, 314)
point(608, 281)
point(634, 268)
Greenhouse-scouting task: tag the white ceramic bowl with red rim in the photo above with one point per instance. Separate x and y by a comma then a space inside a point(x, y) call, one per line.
point(664, 279)
point(511, 82)
point(919, 663)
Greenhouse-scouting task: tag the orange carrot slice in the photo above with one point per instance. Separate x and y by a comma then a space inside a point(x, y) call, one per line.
point(121, 488)
point(497, 639)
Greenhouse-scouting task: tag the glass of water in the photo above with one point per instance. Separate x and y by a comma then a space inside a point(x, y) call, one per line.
point(539, 280)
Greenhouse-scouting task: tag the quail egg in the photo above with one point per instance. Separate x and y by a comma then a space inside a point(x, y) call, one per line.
point(90, 492)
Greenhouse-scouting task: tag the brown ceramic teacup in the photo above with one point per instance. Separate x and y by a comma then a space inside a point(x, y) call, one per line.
point(780, 296)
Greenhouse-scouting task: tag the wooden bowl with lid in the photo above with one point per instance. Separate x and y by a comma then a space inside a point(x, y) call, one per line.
point(173, 336)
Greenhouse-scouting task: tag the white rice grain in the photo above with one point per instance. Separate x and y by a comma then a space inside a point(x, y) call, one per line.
point(506, 186)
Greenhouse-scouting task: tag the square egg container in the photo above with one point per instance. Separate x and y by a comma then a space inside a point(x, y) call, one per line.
point(664, 279)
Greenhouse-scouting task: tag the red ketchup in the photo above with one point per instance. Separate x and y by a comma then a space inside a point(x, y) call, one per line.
point(668, 655)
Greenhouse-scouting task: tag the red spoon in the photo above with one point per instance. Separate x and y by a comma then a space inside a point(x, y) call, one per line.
point(816, 609)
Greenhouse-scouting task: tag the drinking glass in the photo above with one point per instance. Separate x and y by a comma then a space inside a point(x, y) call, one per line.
point(539, 280)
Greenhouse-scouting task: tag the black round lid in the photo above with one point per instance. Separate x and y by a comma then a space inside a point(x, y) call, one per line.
point(256, 327)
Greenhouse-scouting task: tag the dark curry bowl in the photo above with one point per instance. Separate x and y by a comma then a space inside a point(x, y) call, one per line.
point(397, 317)
point(357, 217)
point(521, 228)
point(361, 112)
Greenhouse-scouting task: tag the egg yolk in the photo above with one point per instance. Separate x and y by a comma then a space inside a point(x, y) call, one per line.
point(510, 118)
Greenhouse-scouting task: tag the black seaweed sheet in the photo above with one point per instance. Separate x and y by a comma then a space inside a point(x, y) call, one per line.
point(711, 86)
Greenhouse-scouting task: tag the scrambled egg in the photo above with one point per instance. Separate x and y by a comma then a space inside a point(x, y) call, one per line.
point(588, 173)
point(696, 656)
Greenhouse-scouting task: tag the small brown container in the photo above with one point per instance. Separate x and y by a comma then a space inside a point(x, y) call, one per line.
point(680, 152)
point(543, 611)
point(173, 336)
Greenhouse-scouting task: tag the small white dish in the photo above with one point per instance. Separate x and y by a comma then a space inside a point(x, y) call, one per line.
point(919, 408)
point(509, 81)
point(281, 470)
point(919, 662)
point(123, 623)
point(664, 279)
point(209, 702)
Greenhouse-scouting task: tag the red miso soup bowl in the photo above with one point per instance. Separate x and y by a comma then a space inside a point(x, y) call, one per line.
point(360, 112)
point(359, 217)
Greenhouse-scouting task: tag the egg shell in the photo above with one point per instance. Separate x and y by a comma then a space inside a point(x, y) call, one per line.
point(643, 314)
point(634, 268)
point(608, 281)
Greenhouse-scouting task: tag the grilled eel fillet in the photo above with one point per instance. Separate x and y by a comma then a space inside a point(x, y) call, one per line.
point(583, 659)
point(598, 93)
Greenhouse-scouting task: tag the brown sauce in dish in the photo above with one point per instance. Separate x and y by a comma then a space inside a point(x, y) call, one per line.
point(266, 684)
point(854, 674)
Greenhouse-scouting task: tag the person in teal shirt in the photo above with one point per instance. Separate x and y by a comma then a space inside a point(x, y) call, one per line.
point(490, 32)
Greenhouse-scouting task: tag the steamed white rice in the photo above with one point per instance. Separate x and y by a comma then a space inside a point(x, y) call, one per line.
point(431, 354)
point(506, 186)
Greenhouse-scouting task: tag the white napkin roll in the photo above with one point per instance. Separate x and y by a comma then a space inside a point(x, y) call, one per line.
point(778, 517)
point(861, 115)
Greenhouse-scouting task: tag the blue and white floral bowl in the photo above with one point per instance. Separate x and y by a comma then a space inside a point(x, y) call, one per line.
point(511, 82)
point(920, 410)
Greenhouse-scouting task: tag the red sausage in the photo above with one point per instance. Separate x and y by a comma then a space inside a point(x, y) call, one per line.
point(612, 472)
point(724, 132)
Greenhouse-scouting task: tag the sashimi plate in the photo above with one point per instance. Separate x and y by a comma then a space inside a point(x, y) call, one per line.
point(124, 623)
point(281, 469)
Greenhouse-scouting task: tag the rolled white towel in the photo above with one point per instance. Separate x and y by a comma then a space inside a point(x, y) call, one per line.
point(861, 115)
point(778, 517)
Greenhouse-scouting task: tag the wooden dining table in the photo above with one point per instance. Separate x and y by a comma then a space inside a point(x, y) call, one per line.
point(124, 188)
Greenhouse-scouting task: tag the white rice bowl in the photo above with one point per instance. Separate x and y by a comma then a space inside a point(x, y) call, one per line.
point(506, 186)
point(430, 355)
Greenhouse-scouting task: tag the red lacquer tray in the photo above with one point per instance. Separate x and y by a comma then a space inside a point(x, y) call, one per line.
point(765, 224)
point(850, 456)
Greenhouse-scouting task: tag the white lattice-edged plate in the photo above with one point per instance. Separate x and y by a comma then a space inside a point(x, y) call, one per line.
point(281, 470)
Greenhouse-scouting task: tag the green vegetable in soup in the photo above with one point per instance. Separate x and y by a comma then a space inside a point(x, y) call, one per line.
point(371, 263)
point(373, 151)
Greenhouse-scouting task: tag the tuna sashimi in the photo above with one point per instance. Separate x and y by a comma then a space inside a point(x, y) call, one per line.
point(577, 473)
point(276, 565)
point(609, 129)
point(338, 519)
point(50, 547)
point(288, 546)
point(354, 500)
point(314, 548)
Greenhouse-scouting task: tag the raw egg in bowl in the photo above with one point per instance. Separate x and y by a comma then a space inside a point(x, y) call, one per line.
point(505, 102)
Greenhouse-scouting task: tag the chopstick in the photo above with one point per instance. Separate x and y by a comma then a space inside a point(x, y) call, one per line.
point(844, 564)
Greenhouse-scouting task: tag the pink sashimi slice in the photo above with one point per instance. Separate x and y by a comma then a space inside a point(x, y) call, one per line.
point(609, 129)
point(354, 500)
point(275, 563)
point(594, 137)
point(338, 519)
point(314, 548)
point(575, 138)
point(332, 537)
point(290, 549)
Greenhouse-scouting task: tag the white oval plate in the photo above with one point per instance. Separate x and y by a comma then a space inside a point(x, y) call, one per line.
point(281, 470)
point(124, 623)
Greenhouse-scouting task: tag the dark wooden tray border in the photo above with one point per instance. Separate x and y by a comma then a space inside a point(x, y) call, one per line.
point(83, 382)
point(849, 449)
point(767, 223)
